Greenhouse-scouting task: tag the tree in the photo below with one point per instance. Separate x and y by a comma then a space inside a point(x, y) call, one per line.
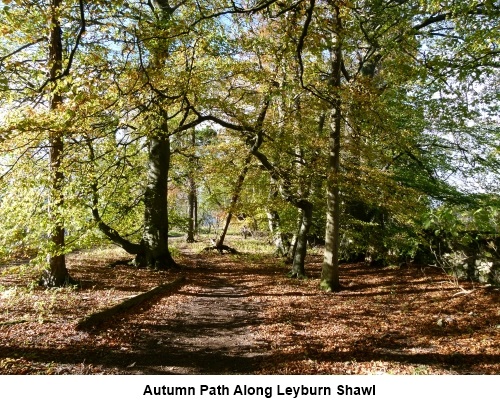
point(26, 97)
point(364, 67)
point(169, 72)
point(57, 274)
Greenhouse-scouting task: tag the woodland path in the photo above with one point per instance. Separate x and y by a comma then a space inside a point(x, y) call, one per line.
point(208, 334)
point(211, 331)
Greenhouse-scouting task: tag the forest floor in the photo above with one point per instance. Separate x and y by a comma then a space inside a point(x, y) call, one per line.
point(239, 314)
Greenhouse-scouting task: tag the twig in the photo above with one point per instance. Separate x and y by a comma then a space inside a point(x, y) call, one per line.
point(463, 292)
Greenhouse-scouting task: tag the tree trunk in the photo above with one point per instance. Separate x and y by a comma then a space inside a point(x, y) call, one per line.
point(155, 234)
point(196, 222)
point(298, 266)
point(330, 280)
point(234, 200)
point(191, 195)
point(56, 274)
point(191, 211)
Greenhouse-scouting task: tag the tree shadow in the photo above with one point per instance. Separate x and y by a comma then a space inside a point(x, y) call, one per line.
point(163, 360)
point(361, 352)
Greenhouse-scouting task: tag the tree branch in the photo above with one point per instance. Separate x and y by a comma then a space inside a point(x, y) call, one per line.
point(22, 48)
point(112, 234)
point(302, 38)
point(73, 51)
point(431, 20)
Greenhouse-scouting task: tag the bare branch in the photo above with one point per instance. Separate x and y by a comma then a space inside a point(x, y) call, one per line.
point(303, 35)
point(22, 48)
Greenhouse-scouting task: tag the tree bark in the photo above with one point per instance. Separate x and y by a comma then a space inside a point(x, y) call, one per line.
point(298, 266)
point(330, 278)
point(56, 275)
point(192, 195)
point(155, 234)
point(196, 222)
point(234, 200)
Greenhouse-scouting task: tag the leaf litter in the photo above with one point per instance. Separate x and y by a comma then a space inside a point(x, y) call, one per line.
point(240, 314)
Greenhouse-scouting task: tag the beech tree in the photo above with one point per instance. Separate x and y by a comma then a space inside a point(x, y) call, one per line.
point(27, 93)
point(168, 74)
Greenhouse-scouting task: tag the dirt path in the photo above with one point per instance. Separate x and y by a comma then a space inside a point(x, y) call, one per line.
point(211, 330)
point(209, 333)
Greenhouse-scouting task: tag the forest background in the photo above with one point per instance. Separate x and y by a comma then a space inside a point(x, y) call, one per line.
point(369, 127)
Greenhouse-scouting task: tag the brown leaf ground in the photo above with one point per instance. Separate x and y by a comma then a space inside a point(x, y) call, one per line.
point(239, 314)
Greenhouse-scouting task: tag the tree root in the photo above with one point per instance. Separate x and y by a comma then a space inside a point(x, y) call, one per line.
point(94, 320)
point(13, 322)
point(221, 249)
point(128, 262)
point(298, 276)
